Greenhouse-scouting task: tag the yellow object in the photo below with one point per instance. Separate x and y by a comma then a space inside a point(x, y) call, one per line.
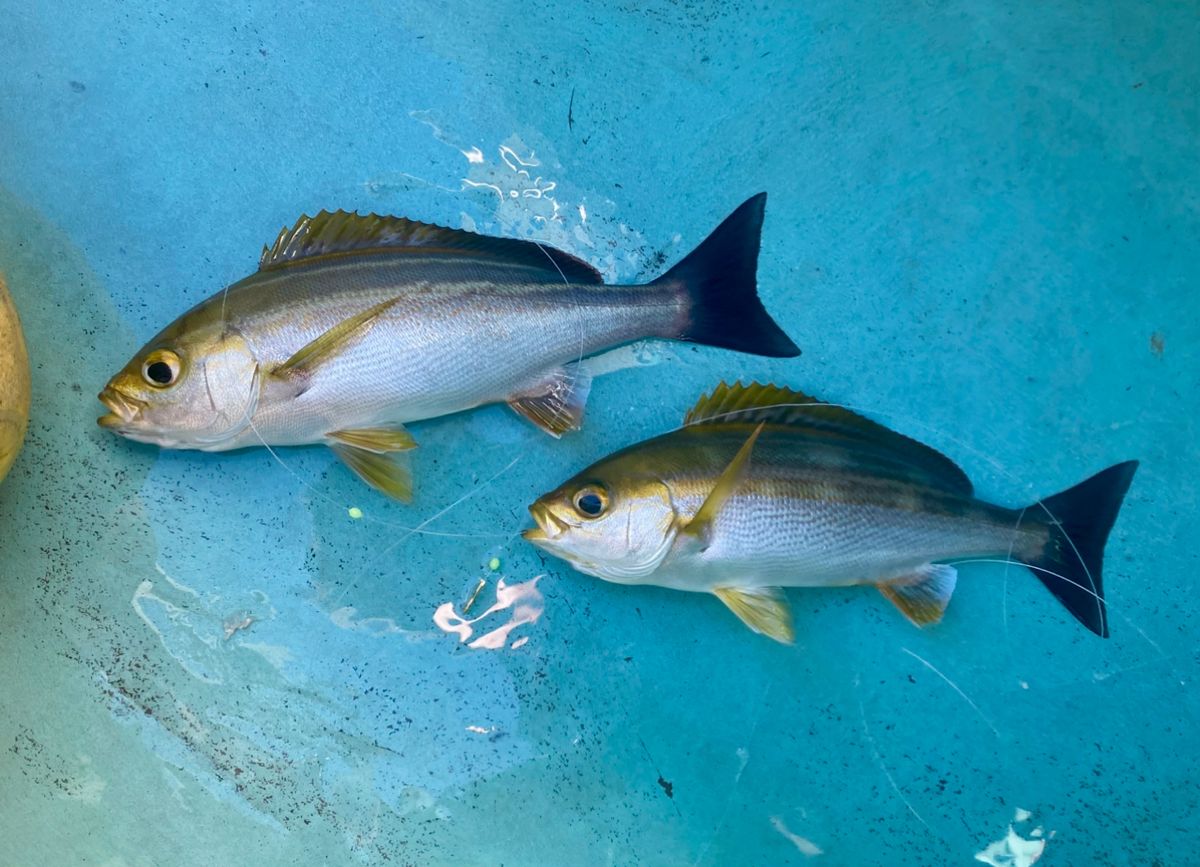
point(14, 382)
point(355, 512)
point(494, 563)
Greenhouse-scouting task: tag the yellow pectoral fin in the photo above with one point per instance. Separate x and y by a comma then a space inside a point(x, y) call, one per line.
point(702, 522)
point(310, 356)
point(385, 472)
point(764, 609)
point(377, 439)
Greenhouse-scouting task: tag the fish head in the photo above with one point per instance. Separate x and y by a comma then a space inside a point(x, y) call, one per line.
point(611, 521)
point(195, 385)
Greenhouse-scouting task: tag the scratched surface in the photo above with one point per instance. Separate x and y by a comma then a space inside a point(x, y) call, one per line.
point(981, 229)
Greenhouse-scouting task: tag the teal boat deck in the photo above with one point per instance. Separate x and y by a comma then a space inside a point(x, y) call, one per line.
point(981, 229)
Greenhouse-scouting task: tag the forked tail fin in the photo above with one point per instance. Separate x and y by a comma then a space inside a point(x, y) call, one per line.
point(719, 280)
point(1080, 520)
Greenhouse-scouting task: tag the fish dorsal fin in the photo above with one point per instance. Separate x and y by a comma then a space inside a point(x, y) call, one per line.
point(332, 232)
point(776, 405)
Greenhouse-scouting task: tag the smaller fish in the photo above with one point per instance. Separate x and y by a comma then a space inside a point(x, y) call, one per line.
point(765, 488)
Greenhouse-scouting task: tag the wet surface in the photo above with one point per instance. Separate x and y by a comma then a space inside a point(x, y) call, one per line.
point(255, 659)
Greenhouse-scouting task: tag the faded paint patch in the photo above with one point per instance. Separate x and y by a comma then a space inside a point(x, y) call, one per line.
point(1013, 850)
point(806, 847)
point(524, 599)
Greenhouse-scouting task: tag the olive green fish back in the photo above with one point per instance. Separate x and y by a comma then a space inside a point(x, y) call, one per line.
point(778, 406)
point(334, 232)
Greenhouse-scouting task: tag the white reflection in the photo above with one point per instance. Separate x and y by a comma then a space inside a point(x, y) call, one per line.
point(1013, 850)
point(524, 599)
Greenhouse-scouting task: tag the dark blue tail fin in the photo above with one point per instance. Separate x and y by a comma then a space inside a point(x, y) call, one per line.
point(1082, 519)
point(719, 281)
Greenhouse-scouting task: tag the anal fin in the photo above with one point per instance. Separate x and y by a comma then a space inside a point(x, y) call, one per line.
point(388, 472)
point(764, 609)
point(922, 596)
point(555, 404)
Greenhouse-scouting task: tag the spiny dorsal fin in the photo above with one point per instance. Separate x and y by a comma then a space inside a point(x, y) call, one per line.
point(776, 405)
point(331, 232)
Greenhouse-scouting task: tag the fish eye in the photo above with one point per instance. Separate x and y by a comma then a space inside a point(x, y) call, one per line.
point(591, 501)
point(161, 368)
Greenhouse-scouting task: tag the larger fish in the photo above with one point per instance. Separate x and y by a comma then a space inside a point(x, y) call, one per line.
point(765, 488)
point(354, 325)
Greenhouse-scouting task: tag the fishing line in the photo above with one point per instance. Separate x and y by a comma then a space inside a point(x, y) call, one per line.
point(579, 309)
point(1004, 584)
point(954, 686)
point(391, 525)
point(408, 531)
point(874, 745)
point(317, 494)
point(419, 528)
point(1063, 578)
point(737, 780)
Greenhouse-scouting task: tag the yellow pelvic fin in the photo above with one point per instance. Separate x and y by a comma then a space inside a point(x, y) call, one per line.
point(389, 473)
point(923, 595)
point(310, 356)
point(764, 609)
point(556, 403)
point(702, 522)
point(377, 439)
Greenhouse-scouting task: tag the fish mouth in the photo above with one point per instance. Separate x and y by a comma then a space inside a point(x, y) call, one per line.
point(549, 526)
point(123, 409)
